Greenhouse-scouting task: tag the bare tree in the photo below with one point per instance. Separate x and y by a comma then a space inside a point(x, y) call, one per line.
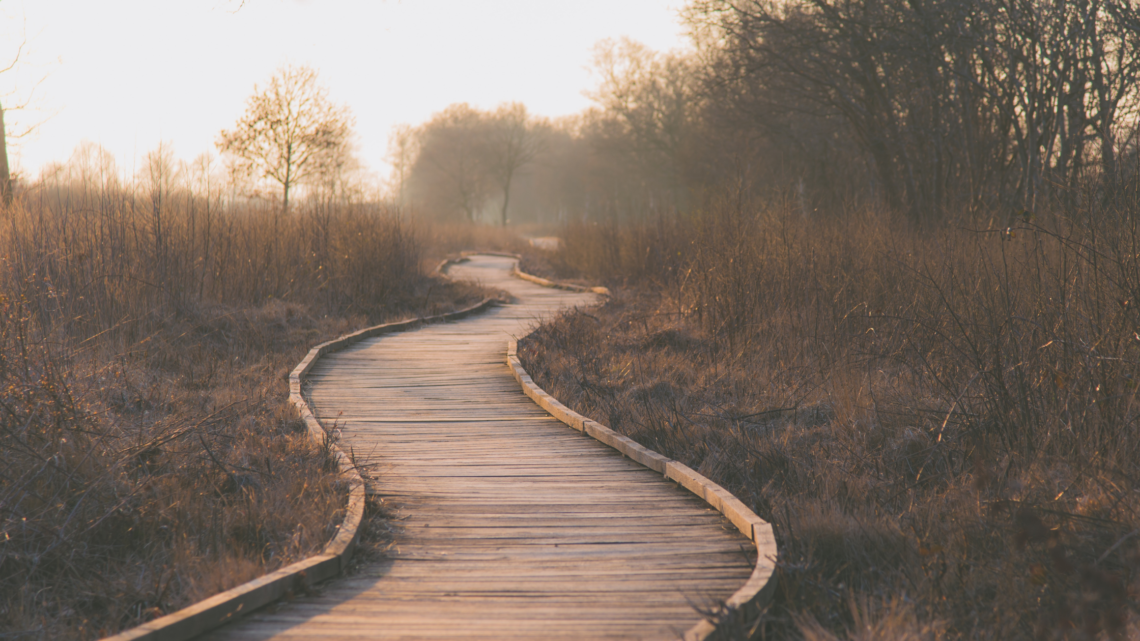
point(649, 107)
point(512, 143)
point(1110, 60)
point(402, 150)
point(952, 102)
point(290, 133)
point(450, 171)
point(158, 180)
point(653, 94)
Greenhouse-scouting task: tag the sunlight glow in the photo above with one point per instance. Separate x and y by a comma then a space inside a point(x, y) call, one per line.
point(127, 74)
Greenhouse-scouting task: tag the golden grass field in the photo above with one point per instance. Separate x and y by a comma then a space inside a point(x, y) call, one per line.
point(939, 421)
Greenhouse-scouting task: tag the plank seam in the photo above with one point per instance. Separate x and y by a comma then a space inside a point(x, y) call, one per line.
point(759, 588)
point(225, 607)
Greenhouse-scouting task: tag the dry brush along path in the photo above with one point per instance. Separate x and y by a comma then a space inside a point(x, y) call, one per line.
point(507, 524)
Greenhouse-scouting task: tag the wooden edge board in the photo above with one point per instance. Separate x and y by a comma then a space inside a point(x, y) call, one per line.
point(227, 606)
point(759, 588)
point(500, 254)
point(441, 268)
point(538, 280)
point(515, 271)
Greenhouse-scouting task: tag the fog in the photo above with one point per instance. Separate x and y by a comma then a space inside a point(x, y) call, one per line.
point(128, 74)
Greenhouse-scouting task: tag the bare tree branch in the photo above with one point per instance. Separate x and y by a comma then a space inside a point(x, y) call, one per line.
point(291, 133)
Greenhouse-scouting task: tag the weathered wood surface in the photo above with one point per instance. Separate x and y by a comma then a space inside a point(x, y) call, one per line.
point(508, 524)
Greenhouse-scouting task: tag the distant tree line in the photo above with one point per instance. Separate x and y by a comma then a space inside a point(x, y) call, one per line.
point(619, 159)
point(461, 158)
point(923, 106)
point(292, 140)
point(946, 103)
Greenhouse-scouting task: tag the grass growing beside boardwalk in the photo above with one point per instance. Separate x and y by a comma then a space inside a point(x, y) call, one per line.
point(941, 423)
point(148, 453)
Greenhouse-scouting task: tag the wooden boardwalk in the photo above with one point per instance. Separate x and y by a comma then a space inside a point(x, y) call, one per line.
point(509, 524)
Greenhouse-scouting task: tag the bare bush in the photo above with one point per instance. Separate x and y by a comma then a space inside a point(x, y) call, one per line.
point(149, 455)
point(941, 424)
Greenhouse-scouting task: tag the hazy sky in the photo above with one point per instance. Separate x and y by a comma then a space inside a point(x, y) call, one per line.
point(129, 73)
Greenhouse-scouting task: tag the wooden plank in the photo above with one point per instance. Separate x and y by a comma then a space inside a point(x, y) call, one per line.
point(506, 524)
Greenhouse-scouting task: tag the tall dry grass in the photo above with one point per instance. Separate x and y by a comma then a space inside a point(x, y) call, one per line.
point(148, 454)
point(940, 423)
point(452, 239)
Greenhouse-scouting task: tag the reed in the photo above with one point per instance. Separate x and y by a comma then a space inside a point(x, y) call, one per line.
point(941, 422)
point(148, 454)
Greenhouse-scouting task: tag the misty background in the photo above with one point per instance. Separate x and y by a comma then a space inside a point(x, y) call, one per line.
point(130, 74)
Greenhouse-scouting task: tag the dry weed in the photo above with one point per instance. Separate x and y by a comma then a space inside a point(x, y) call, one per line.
point(148, 454)
point(940, 423)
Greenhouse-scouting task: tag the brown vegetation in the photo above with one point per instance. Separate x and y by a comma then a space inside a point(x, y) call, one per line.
point(941, 423)
point(880, 280)
point(149, 455)
point(929, 109)
point(937, 413)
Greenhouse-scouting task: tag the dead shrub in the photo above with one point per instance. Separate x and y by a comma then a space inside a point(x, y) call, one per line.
point(148, 454)
point(941, 423)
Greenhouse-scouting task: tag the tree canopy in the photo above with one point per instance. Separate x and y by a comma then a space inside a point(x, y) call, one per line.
point(291, 133)
point(463, 157)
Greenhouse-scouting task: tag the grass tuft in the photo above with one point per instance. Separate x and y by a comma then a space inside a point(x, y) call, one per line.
point(940, 423)
point(149, 457)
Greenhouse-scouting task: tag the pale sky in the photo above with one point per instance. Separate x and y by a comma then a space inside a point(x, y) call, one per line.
point(128, 73)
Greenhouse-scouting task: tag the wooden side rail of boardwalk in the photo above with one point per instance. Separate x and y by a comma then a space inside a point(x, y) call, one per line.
point(508, 524)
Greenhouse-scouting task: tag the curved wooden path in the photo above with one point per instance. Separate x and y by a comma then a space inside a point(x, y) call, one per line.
point(508, 524)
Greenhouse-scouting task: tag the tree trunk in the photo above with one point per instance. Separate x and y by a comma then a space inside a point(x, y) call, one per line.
point(5, 175)
point(286, 184)
point(506, 199)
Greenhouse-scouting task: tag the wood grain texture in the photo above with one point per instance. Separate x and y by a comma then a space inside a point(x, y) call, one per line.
point(507, 524)
point(222, 608)
point(745, 603)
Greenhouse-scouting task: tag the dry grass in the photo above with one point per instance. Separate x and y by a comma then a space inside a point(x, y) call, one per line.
point(148, 454)
point(453, 239)
point(940, 423)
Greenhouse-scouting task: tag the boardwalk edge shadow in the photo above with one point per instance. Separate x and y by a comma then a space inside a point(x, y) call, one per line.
point(234, 603)
point(759, 588)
